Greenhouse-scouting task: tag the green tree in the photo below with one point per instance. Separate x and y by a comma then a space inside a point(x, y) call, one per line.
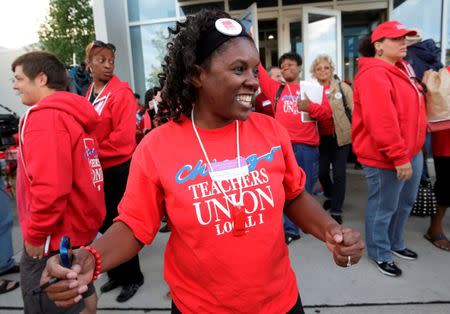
point(159, 43)
point(67, 29)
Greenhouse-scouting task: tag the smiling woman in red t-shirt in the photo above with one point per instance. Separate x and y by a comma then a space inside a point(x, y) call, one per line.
point(223, 177)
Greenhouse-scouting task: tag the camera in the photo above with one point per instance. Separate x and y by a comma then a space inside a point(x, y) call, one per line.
point(9, 125)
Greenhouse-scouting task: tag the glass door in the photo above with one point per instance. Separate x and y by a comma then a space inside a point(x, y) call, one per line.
point(321, 33)
point(249, 18)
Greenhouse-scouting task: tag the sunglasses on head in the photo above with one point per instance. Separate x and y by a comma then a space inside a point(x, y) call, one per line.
point(101, 44)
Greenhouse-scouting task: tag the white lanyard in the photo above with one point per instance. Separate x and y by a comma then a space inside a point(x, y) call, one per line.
point(92, 91)
point(290, 93)
point(239, 203)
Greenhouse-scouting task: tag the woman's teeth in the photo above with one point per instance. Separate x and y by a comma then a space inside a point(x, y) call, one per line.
point(245, 100)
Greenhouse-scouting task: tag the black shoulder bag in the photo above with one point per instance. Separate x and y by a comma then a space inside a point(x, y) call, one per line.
point(277, 96)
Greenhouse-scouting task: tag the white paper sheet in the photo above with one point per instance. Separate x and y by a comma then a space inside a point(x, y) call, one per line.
point(314, 92)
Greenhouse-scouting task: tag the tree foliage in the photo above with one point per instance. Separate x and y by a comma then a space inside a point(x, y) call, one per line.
point(159, 43)
point(67, 29)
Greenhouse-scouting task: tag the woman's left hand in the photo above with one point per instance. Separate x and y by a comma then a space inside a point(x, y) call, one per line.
point(345, 244)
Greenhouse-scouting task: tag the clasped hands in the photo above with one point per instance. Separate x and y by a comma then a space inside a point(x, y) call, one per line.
point(68, 292)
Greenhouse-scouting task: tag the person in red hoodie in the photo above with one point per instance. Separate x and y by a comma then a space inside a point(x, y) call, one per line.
point(59, 177)
point(299, 117)
point(223, 175)
point(388, 132)
point(116, 133)
point(440, 141)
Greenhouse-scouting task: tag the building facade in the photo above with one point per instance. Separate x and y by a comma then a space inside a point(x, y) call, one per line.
point(138, 28)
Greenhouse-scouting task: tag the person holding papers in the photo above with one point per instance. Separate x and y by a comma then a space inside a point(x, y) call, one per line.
point(299, 117)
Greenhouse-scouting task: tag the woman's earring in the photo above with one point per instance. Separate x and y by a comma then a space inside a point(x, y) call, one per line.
point(380, 52)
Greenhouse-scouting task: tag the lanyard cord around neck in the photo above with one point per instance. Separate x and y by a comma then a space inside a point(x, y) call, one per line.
point(209, 163)
point(290, 93)
point(92, 92)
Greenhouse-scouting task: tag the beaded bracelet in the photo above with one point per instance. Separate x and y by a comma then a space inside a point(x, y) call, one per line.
point(98, 261)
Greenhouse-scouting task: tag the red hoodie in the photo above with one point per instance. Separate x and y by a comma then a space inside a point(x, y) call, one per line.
point(264, 105)
point(59, 177)
point(389, 120)
point(116, 132)
point(301, 129)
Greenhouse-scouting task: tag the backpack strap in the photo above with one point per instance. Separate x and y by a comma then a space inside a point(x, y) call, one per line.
point(277, 96)
point(347, 110)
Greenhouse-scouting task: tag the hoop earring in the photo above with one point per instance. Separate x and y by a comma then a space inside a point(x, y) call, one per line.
point(380, 52)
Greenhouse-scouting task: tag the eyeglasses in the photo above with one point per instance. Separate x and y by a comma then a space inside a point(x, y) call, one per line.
point(325, 68)
point(101, 44)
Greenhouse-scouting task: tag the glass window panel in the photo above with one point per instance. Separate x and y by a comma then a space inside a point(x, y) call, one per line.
point(244, 4)
point(148, 45)
point(288, 2)
point(268, 40)
point(322, 35)
point(194, 8)
point(262, 56)
point(140, 10)
point(353, 35)
point(424, 15)
point(295, 31)
point(355, 26)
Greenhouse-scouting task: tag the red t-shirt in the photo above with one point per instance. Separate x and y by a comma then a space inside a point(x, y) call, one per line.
point(326, 127)
point(264, 105)
point(301, 126)
point(208, 269)
point(440, 143)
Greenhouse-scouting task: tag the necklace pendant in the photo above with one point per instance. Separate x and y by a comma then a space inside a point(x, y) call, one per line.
point(239, 221)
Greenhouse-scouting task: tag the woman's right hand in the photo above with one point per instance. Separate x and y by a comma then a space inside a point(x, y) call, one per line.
point(404, 172)
point(73, 283)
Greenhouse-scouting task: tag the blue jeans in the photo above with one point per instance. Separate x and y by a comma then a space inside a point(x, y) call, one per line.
point(389, 203)
point(307, 157)
point(6, 223)
point(425, 174)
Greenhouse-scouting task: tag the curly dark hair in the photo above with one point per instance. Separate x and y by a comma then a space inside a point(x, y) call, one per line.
point(179, 67)
point(366, 48)
point(290, 56)
point(149, 94)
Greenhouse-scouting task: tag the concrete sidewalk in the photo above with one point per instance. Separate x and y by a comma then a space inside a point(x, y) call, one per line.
point(424, 286)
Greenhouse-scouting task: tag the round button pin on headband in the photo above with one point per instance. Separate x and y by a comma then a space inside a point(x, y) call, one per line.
point(228, 27)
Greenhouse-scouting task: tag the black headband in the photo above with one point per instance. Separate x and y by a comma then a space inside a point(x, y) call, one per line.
point(212, 39)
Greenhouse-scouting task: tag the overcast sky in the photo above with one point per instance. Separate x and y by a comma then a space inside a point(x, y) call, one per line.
point(20, 20)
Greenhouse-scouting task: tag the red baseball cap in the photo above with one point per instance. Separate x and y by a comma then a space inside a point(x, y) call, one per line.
point(392, 29)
